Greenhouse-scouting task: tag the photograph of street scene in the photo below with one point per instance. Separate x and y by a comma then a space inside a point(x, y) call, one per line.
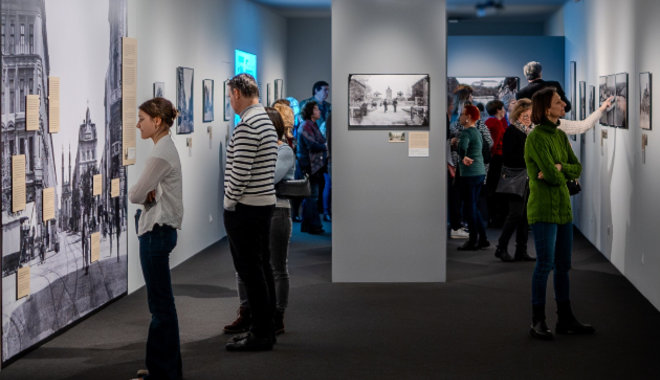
point(385, 100)
point(66, 281)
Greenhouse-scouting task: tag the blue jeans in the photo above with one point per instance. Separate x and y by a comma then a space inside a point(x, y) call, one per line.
point(470, 190)
point(163, 357)
point(553, 243)
point(311, 219)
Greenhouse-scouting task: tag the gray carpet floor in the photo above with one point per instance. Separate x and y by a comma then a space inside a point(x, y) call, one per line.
point(474, 326)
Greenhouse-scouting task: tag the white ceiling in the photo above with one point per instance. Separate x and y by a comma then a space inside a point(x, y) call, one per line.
point(460, 9)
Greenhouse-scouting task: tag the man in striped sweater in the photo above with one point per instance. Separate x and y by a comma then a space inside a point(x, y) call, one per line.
point(249, 201)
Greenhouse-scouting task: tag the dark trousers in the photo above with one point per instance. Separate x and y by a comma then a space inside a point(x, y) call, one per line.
point(554, 245)
point(163, 358)
point(248, 232)
point(516, 221)
point(470, 190)
point(496, 202)
point(453, 202)
point(311, 219)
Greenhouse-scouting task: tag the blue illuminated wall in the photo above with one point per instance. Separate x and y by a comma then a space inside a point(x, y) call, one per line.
point(244, 63)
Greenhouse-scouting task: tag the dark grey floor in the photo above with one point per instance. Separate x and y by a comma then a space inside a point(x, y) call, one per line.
point(474, 326)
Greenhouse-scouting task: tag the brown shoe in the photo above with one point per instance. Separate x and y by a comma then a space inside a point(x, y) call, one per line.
point(242, 322)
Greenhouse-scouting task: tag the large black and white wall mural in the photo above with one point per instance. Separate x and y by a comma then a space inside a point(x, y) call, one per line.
point(78, 41)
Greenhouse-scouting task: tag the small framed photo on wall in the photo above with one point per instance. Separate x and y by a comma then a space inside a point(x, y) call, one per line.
point(645, 91)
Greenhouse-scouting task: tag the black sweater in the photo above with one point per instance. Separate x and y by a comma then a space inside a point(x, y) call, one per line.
point(539, 84)
point(513, 148)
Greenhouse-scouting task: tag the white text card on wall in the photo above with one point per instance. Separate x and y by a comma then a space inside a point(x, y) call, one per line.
point(18, 183)
point(53, 104)
point(418, 145)
point(129, 99)
point(32, 113)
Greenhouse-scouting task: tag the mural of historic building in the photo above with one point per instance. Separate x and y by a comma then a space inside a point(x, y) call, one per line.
point(65, 284)
point(25, 71)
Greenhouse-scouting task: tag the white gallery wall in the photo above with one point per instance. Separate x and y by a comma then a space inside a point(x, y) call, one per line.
point(618, 209)
point(388, 209)
point(200, 34)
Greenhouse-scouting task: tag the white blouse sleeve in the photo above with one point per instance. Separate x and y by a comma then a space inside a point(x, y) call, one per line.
point(576, 127)
point(154, 171)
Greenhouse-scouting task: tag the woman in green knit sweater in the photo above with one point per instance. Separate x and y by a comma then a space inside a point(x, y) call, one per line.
point(550, 163)
point(472, 174)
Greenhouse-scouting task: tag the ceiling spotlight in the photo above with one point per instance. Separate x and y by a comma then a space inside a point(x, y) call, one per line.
point(488, 8)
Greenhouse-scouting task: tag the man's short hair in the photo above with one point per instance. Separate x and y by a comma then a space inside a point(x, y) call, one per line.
point(532, 70)
point(493, 106)
point(318, 85)
point(246, 85)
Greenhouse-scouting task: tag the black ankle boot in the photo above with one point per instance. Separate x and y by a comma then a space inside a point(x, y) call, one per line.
point(278, 322)
point(539, 328)
point(568, 324)
point(469, 246)
point(521, 255)
point(503, 254)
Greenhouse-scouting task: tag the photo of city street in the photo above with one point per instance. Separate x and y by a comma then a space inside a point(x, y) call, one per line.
point(66, 280)
point(386, 100)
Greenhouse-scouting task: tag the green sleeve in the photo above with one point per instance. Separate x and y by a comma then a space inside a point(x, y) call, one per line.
point(540, 154)
point(463, 144)
point(573, 168)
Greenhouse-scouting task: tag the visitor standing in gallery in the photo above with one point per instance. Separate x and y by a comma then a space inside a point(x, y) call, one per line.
point(534, 72)
point(320, 93)
point(472, 174)
point(159, 191)
point(513, 156)
point(550, 163)
point(312, 158)
point(280, 234)
point(248, 207)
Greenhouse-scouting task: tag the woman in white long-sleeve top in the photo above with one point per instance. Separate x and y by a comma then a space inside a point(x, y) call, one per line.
point(159, 190)
point(576, 127)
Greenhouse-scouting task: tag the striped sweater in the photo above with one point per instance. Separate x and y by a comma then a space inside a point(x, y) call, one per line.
point(251, 158)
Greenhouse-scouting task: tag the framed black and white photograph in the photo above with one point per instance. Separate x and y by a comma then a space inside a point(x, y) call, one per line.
point(606, 89)
point(621, 100)
point(645, 91)
point(226, 109)
point(159, 89)
point(207, 100)
point(582, 87)
point(572, 67)
point(485, 89)
point(184, 100)
point(278, 89)
point(386, 100)
point(592, 99)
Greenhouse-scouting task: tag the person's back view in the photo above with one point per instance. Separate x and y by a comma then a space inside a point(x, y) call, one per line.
point(533, 73)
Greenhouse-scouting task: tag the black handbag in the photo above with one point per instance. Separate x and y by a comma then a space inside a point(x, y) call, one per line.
point(512, 181)
point(293, 188)
point(573, 186)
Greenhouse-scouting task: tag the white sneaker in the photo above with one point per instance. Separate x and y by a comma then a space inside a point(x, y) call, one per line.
point(460, 233)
